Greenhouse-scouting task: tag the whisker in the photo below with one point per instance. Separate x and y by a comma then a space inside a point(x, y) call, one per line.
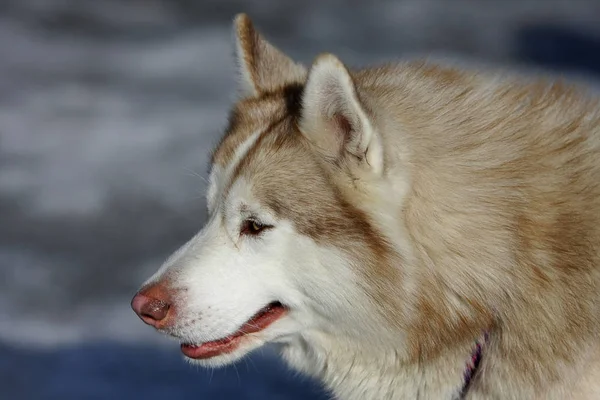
point(196, 174)
point(237, 373)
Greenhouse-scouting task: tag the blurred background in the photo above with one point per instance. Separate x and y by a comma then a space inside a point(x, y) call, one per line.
point(108, 112)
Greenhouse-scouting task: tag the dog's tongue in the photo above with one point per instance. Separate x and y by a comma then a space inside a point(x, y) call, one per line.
point(228, 344)
point(211, 349)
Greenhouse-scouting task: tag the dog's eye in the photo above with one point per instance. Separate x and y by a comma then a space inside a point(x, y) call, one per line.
point(253, 227)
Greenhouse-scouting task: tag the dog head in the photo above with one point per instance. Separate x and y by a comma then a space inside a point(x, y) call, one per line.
point(288, 248)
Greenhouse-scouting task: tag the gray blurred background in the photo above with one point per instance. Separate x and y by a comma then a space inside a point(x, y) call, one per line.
point(108, 112)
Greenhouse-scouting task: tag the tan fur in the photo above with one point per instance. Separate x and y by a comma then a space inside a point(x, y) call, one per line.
point(262, 66)
point(486, 217)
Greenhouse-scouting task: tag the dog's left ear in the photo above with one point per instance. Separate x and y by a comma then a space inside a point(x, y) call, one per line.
point(334, 119)
point(262, 67)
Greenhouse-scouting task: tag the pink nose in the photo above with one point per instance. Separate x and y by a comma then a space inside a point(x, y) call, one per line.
point(152, 305)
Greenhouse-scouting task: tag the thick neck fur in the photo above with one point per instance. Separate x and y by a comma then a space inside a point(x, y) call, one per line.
point(356, 371)
point(502, 218)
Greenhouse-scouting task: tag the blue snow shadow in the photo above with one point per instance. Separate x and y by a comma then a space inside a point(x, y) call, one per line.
point(558, 48)
point(115, 371)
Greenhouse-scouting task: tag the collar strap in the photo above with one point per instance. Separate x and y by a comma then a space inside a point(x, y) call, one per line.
point(473, 364)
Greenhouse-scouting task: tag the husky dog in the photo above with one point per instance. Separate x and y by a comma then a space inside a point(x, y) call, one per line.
point(406, 231)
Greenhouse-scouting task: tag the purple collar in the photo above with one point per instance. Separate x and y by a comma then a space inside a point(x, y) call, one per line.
point(473, 364)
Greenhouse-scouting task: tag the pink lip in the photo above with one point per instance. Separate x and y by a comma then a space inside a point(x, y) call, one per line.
point(228, 344)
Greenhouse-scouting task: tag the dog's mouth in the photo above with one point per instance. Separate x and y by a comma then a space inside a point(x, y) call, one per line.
point(260, 321)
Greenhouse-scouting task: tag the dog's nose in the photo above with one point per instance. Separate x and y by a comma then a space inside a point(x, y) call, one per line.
point(152, 305)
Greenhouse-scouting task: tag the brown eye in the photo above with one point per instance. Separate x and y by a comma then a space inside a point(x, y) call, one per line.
point(253, 227)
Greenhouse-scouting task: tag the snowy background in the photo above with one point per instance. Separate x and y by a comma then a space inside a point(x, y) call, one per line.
point(108, 111)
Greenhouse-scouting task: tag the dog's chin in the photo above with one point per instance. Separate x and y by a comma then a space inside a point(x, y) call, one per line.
point(230, 348)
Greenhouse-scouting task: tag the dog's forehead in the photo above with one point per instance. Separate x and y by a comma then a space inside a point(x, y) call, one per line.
point(247, 117)
point(261, 146)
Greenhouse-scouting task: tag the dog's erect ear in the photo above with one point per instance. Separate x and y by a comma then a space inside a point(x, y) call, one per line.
point(334, 119)
point(262, 67)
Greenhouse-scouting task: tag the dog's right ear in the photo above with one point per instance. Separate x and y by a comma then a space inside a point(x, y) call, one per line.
point(261, 66)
